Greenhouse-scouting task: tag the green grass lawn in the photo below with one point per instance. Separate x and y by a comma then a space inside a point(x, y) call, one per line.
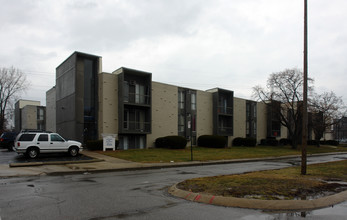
point(157, 155)
point(321, 179)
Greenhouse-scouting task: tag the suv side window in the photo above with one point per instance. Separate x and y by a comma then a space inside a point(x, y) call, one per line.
point(43, 137)
point(55, 137)
point(26, 137)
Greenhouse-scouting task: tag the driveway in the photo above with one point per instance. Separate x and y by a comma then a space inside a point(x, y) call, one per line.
point(7, 157)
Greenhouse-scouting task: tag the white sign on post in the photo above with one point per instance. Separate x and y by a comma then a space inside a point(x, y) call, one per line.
point(109, 141)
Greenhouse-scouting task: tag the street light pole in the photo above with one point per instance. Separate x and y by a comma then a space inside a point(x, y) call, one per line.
point(304, 106)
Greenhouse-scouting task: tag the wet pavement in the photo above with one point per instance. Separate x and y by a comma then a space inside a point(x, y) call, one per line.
point(136, 194)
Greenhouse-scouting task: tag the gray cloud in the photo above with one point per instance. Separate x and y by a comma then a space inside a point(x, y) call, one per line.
point(197, 43)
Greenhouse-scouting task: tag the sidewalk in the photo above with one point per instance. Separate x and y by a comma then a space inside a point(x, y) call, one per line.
point(103, 163)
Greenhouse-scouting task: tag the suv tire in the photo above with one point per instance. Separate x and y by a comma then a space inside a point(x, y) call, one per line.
point(73, 151)
point(32, 152)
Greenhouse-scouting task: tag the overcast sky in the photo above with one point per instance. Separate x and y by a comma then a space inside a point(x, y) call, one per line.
point(200, 44)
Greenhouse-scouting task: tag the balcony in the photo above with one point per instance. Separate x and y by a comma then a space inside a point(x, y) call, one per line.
point(225, 130)
point(136, 126)
point(225, 110)
point(135, 98)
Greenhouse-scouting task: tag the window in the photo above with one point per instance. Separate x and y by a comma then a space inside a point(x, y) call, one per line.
point(181, 99)
point(193, 101)
point(140, 120)
point(181, 123)
point(126, 119)
point(26, 137)
point(43, 137)
point(140, 94)
point(40, 113)
point(40, 126)
point(126, 91)
point(55, 137)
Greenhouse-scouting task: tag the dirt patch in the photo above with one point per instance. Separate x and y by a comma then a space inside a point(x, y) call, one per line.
point(285, 184)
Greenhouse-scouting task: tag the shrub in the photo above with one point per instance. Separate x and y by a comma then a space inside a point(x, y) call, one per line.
point(285, 141)
point(330, 142)
point(213, 141)
point(97, 145)
point(248, 142)
point(238, 141)
point(171, 142)
point(269, 142)
point(312, 142)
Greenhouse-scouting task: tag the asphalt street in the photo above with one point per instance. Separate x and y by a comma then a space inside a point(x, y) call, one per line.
point(138, 194)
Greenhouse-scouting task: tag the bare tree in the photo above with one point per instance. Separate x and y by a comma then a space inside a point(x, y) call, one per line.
point(326, 109)
point(286, 88)
point(12, 83)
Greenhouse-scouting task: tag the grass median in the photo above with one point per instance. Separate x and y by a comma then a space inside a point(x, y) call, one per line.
point(157, 155)
point(322, 179)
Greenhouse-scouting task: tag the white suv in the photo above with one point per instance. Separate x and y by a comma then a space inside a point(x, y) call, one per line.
point(32, 143)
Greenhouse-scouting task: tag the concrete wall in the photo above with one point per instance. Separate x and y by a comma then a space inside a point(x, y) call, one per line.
point(164, 112)
point(65, 98)
point(204, 116)
point(239, 118)
point(108, 104)
point(29, 117)
point(51, 110)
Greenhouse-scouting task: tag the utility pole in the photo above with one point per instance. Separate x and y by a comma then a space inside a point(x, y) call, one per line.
point(304, 106)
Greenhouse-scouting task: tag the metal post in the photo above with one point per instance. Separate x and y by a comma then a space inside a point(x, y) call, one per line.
point(191, 142)
point(304, 110)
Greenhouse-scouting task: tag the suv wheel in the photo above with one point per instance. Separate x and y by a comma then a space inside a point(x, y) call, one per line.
point(32, 152)
point(73, 151)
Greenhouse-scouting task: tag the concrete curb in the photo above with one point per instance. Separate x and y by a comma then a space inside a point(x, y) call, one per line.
point(52, 163)
point(268, 205)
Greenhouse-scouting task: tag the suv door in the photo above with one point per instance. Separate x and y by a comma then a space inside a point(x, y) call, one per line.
point(57, 143)
point(42, 142)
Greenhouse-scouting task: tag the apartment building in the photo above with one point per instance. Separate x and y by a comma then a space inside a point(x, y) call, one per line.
point(29, 115)
point(88, 103)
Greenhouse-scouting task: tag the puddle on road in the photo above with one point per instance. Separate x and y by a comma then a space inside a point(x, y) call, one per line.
point(335, 212)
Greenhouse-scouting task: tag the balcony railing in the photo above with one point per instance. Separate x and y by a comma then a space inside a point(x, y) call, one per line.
point(225, 110)
point(137, 126)
point(225, 130)
point(136, 98)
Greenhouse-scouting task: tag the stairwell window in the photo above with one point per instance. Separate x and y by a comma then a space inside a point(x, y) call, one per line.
point(193, 101)
point(181, 99)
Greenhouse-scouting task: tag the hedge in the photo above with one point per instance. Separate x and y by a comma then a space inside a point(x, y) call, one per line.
point(248, 142)
point(328, 142)
point(269, 142)
point(171, 142)
point(212, 141)
point(285, 141)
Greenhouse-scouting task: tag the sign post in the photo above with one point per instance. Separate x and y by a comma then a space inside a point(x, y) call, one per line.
point(109, 141)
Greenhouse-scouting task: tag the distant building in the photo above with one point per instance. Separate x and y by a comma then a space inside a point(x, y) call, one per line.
point(86, 103)
point(340, 129)
point(29, 115)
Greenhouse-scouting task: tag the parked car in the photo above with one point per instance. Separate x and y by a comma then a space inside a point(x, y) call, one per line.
point(33, 143)
point(7, 140)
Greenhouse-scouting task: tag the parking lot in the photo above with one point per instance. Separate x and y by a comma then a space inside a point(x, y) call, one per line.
point(7, 157)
